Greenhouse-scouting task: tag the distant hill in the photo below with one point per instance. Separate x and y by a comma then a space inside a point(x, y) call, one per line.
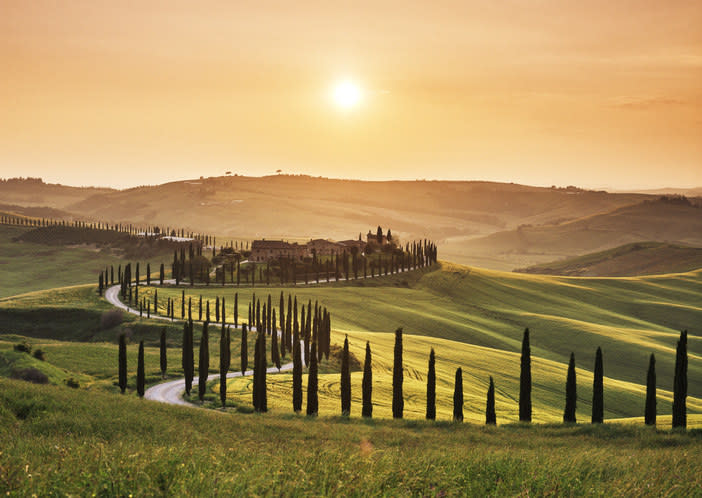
point(638, 258)
point(689, 192)
point(671, 220)
point(34, 192)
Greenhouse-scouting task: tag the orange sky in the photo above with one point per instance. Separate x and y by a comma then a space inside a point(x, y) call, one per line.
point(595, 93)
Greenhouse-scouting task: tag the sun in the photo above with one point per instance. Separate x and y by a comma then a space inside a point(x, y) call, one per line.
point(346, 94)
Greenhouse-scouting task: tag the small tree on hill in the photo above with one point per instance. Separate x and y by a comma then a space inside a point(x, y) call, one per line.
point(140, 371)
point(431, 387)
point(598, 390)
point(525, 380)
point(458, 396)
point(345, 376)
point(490, 415)
point(122, 363)
point(367, 384)
point(571, 396)
point(398, 402)
point(650, 412)
point(224, 362)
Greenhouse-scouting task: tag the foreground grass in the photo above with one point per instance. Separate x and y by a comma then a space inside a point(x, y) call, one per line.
point(62, 441)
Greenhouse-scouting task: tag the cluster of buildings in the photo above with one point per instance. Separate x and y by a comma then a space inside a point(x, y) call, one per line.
point(267, 250)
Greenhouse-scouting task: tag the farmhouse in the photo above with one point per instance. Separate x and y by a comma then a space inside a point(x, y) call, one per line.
point(323, 247)
point(265, 250)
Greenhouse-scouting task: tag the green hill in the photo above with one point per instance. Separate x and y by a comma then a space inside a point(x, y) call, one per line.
point(638, 258)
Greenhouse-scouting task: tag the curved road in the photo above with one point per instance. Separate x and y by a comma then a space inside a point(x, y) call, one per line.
point(171, 392)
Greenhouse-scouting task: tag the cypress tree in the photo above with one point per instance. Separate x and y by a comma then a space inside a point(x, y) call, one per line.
point(256, 374)
point(305, 339)
point(490, 415)
point(260, 374)
point(224, 362)
point(650, 413)
point(164, 358)
point(100, 284)
point(161, 274)
point(297, 372)
point(275, 352)
point(458, 396)
point(431, 387)
point(199, 316)
point(236, 310)
point(525, 380)
point(189, 367)
point(367, 384)
point(217, 310)
point(312, 381)
point(398, 403)
point(122, 363)
point(345, 376)
point(598, 390)
point(148, 273)
point(288, 325)
point(204, 365)
point(140, 371)
point(569, 413)
point(244, 349)
point(680, 383)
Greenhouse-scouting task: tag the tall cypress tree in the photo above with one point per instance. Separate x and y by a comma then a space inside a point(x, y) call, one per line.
point(598, 390)
point(224, 362)
point(122, 363)
point(186, 357)
point(312, 381)
point(148, 274)
point(650, 413)
point(297, 372)
point(680, 383)
point(236, 310)
point(161, 274)
point(345, 376)
point(164, 358)
point(260, 396)
point(398, 403)
point(275, 352)
point(431, 387)
point(571, 396)
point(256, 374)
point(490, 415)
point(458, 396)
point(204, 365)
point(305, 339)
point(367, 384)
point(244, 349)
point(525, 380)
point(140, 371)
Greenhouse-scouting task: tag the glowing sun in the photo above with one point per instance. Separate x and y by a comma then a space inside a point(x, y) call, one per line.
point(346, 94)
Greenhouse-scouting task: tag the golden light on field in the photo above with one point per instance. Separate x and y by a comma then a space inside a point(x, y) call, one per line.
point(346, 94)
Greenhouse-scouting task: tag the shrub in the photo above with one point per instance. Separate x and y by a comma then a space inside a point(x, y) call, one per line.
point(30, 375)
point(23, 347)
point(72, 383)
point(39, 355)
point(111, 318)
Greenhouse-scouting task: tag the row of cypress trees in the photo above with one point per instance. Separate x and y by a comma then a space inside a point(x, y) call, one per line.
point(525, 408)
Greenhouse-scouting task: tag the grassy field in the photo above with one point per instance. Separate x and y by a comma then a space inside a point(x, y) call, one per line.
point(27, 266)
point(57, 440)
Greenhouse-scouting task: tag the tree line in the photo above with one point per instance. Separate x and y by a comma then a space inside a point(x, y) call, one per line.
point(316, 348)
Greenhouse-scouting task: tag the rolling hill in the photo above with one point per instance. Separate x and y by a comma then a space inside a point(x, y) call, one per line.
point(675, 221)
point(638, 258)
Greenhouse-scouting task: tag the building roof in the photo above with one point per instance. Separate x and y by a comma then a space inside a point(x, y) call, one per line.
point(272, 244)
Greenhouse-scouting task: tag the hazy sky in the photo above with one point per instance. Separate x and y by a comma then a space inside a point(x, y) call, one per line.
point(591, 93)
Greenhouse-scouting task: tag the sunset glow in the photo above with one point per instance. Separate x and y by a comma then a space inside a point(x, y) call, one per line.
point(346, 94)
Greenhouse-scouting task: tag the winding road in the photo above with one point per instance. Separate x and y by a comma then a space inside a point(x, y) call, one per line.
point(171, 392)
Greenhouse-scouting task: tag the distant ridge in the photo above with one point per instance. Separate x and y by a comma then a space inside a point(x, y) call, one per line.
point(629, 260)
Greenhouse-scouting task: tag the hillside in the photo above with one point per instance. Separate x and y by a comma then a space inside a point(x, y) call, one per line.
point(672, 221)
point(33, 192)
point(638, 258)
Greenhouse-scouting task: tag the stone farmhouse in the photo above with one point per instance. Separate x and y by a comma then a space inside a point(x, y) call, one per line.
point(266, 250)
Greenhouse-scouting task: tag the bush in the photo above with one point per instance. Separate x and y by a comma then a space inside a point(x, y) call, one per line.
point(39, 355)
point(23, 347)
point(111, 319)
point(72, 383)
point(30, 375)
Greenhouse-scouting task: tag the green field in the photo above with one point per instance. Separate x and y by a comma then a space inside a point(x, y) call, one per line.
point(58, 440)
point(27, 266)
